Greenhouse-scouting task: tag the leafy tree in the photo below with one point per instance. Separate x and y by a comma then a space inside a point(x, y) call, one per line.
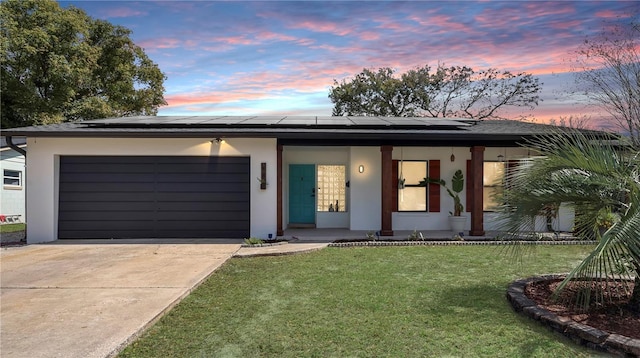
point(60, 65)
point(456, 91)
point(602, 184)
point(608, 68)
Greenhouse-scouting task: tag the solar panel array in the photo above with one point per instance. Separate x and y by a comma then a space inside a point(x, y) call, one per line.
point(278, 121)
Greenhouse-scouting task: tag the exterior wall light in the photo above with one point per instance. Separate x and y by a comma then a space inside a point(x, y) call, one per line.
point(217, 141)
point(361, 169)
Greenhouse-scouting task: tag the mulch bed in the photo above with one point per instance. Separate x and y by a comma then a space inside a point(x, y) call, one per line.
point(614, 316)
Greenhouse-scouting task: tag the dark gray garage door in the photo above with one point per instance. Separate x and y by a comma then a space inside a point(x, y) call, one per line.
point(153, 197)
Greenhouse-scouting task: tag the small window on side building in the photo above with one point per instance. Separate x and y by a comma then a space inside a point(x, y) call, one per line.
point(12, 178)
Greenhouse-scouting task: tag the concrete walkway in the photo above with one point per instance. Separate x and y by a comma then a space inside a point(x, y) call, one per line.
point(90, 300)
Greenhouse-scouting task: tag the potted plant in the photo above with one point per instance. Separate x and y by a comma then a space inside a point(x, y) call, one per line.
point(456, 220)
point(605, 220)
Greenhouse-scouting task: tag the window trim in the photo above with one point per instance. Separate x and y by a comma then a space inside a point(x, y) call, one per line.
point(5, 177)
point(503, 185)
point(406, 185)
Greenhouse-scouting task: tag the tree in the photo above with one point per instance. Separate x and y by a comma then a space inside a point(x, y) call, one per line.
point(602, 184)
point(572, 121)
point(608, 68)
point(61, 65)
point(456, 91)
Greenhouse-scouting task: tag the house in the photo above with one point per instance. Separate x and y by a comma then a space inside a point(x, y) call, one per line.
point(235, 177)
point(12, 194)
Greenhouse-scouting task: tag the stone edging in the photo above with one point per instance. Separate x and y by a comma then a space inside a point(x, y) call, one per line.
point(462, 242)
point(582, 334)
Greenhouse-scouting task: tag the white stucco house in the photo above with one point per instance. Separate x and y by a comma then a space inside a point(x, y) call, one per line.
point(235, 177)
point(12, 193)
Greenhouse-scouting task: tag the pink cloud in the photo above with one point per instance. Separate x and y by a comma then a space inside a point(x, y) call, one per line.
point(322, 26)
point(369, 35)
point(122, 12)
point(607, 14)
point(447, 23)
point(162, 43)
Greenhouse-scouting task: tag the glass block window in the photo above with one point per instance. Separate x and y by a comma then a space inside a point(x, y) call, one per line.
point(332, 188)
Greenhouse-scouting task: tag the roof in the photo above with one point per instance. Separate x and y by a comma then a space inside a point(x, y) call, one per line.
point(302, 130)
point(19, 141)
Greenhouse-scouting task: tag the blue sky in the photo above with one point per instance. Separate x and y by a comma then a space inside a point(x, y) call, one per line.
point(273, 57)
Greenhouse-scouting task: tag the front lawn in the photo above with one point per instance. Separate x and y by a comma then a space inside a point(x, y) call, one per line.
point(422, 301)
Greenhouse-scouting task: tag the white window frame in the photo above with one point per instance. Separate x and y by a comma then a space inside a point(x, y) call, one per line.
point(6, 176)
point(412, 184)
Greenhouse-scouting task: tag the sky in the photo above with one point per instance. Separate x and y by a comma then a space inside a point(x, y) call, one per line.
point(281, 58)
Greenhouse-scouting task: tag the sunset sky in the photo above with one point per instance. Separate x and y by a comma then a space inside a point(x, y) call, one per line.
point(272, 57)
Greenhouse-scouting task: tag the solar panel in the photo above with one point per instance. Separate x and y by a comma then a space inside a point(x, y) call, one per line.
point(278, 121)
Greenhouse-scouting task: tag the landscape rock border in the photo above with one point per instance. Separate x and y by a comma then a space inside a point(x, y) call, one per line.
point(582, 334)
point(458, 242)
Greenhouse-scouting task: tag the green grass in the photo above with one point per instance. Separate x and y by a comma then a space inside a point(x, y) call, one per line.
point(5, 228)
point(425, 301)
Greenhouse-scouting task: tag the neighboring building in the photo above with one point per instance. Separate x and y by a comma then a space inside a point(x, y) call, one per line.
point(234, 177)
point(12, 167)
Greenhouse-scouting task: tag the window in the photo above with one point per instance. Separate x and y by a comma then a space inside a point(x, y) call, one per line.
point(493, 181)
point(12, 178)
point(332, 188)
point(413, 197)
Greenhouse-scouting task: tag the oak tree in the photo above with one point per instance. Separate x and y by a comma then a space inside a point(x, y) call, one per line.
point(59, 64)
point(456, 91)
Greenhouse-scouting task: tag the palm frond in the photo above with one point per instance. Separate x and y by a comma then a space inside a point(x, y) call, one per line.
point(592, 177)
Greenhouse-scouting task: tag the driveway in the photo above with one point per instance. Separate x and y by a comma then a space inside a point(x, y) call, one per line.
point(91, 299)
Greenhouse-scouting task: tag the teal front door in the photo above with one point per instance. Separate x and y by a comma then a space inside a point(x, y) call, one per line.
point(302, 194)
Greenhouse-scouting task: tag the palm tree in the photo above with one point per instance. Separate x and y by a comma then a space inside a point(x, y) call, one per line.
point(602, 184)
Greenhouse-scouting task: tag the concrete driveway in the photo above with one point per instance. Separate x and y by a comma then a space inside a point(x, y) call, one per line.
point(90, 300)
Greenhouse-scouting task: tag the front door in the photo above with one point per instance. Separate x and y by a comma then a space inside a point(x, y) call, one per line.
point(302, 194)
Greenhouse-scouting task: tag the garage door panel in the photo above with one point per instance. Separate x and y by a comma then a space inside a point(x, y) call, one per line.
point(109, 234)
point(109, 206)
point(200, 225)
point(107, 178)
point(178, 206)
point(134, 168)
point(106, 197)
point(202, 215)
point(105, 187)
point(198, 187)
point(147, 196)
point(204, 197)
point(106, 225)
point(202, 178)
point(117, 215)
point(186, 234)
point(201, 168)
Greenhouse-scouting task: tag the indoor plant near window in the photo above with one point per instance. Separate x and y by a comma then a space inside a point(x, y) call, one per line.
point(456, 220)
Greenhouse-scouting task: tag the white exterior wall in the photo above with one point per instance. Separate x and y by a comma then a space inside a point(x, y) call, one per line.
point(366, 189)
point(43, 162)
point(12, 199)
